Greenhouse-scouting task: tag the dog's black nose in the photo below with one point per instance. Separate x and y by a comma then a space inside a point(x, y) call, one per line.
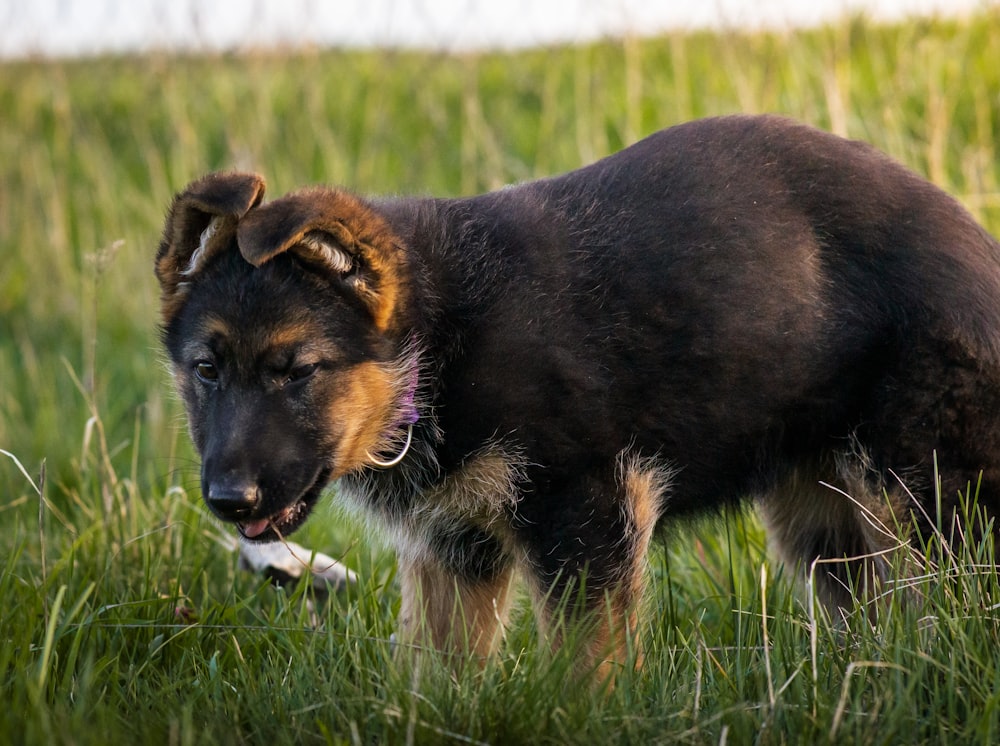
point(232, 500)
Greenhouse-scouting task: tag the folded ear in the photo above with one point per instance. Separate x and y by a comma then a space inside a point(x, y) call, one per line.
point(338, 235)
point(202, 220)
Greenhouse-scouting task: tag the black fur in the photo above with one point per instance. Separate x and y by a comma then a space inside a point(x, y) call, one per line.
point(733, 295)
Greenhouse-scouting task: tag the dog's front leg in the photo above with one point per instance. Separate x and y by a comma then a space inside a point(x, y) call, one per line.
point(456, 603)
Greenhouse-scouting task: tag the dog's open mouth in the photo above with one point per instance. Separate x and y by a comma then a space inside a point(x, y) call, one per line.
point(282, 523)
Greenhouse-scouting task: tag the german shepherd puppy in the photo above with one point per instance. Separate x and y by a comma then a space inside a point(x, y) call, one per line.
point(532, 380)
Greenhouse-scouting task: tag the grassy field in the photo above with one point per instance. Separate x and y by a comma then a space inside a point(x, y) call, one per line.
point(123, 619)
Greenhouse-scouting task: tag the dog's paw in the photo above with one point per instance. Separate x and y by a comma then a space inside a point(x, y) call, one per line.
point(287, 562)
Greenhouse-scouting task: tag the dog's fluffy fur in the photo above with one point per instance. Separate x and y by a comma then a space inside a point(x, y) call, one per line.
point(734, 308)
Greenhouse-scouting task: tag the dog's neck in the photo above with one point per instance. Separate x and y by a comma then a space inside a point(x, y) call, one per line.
point(408, 411)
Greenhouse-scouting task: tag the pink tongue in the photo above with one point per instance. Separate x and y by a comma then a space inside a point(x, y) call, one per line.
point(250, 530)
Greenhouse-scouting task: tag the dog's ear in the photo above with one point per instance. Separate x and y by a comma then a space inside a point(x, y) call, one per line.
point(338, 235)
point(202, 220)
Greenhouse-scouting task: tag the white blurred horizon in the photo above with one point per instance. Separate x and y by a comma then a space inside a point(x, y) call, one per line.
point(70, 28)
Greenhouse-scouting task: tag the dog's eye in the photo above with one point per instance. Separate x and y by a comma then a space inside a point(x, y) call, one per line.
point(207, 372)
point(301, 372)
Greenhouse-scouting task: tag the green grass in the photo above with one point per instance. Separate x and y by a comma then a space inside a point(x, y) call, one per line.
point(123, 620)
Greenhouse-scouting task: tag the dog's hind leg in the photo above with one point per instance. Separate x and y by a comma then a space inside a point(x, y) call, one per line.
point(837, 523)
point(940, 414)
point(589, 567)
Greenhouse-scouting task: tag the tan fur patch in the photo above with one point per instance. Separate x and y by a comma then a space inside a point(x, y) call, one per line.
point(362, 413)
point(609, 647)
point(446, 613)
point(210, 327)
point(644, 483)
point(304, 336)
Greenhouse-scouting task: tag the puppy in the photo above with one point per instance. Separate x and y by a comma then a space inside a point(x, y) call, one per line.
point(532, 381)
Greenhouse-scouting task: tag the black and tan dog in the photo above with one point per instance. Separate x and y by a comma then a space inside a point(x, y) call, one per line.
point(531, 380)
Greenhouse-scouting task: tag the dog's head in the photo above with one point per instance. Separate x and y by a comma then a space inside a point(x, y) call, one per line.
point(282, 323)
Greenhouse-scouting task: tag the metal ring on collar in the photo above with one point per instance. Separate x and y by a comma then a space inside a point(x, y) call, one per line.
point(399, 457)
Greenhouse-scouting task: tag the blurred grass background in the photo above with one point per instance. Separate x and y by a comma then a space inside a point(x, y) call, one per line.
point(91, 152)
